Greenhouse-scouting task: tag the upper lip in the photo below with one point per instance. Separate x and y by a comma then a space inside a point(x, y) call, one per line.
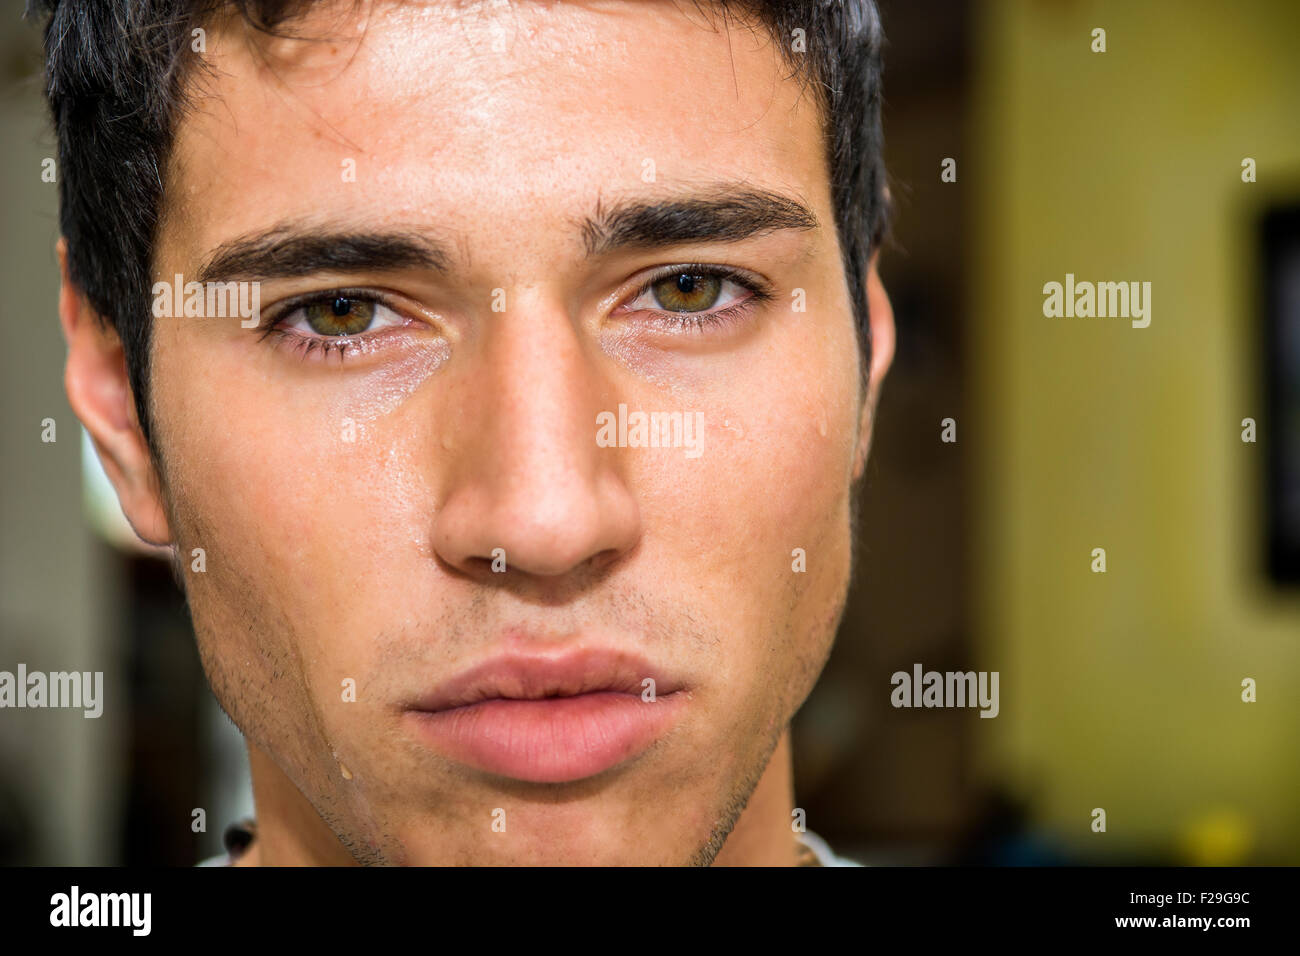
point(518, 676)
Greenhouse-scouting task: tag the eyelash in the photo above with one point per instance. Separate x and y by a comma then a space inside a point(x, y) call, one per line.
point(699, 321)
point(305, 345)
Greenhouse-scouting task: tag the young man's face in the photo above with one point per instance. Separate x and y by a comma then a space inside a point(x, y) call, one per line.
point(351, 505)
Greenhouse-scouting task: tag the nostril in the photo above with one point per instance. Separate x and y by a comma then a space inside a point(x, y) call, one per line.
point(495, 563)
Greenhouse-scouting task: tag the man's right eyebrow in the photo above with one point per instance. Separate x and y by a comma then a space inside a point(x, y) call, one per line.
point(285, 253)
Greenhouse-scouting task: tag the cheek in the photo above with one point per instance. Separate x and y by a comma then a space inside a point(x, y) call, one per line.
point(294, 459)
point(774, 473)
point(758, 525)
point(311, 510)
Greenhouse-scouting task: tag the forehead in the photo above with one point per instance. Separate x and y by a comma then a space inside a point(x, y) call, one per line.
point(490, 113)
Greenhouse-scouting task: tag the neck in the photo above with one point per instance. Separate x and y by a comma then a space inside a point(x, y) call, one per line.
point(762, 835)
point(289, 830)
point(291, 833)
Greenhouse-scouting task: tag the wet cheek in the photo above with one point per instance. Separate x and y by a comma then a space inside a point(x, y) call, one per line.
point(316, 486)
point(724, 527)
point(771, 478)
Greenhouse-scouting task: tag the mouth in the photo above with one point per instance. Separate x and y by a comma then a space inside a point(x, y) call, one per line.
point(555, 718)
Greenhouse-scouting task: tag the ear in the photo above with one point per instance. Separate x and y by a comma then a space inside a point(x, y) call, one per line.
point(881, 320)
point(99, 392)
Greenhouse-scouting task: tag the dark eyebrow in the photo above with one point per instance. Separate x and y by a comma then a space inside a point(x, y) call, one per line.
point(285, 252)
point(728, 215)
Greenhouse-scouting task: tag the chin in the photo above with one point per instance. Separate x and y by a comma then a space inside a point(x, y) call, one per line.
point(555, 845)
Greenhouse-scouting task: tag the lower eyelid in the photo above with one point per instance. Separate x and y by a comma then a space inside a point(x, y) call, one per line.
point(686, 322)
point(316, 347)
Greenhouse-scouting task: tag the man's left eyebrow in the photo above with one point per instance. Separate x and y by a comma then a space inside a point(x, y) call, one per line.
point(726, 215)
point(289, 252)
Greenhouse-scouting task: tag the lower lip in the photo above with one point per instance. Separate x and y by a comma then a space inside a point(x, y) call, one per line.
point(551, 740)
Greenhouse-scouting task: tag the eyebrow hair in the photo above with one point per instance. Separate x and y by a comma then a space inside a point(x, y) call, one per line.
point(285, 252)
point(731, 215)
point(290, 251)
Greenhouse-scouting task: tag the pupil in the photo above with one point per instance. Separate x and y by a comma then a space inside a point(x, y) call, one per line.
point(685, 284)
point(341, 306)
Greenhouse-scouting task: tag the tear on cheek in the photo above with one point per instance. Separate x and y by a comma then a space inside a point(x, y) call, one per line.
point(363, 402)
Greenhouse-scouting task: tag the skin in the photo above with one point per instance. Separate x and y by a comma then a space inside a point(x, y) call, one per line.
point(475, 429)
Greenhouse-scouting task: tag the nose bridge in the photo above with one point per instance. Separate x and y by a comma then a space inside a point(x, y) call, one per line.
point(542, 389)
point(530, 478)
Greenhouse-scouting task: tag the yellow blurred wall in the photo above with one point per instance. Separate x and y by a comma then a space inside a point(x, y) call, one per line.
point(1123, 690)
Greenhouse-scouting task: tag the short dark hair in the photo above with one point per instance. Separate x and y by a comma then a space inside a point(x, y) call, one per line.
point(115, 78)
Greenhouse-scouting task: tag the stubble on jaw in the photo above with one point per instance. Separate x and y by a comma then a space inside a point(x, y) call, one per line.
point(821, 639)
point(735, 806)
point(242, 690)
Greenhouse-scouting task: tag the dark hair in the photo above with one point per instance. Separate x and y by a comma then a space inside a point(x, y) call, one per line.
point(115, 79)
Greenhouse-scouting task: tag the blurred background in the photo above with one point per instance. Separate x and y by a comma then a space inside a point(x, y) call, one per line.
point(1119, 690)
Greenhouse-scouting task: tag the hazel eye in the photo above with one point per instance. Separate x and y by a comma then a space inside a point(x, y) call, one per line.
point(690, 292)
point(687, 293)
point(339, 315)
point(338, 322)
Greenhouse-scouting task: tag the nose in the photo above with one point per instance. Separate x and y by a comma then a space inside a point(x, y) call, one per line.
point(525, 474)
